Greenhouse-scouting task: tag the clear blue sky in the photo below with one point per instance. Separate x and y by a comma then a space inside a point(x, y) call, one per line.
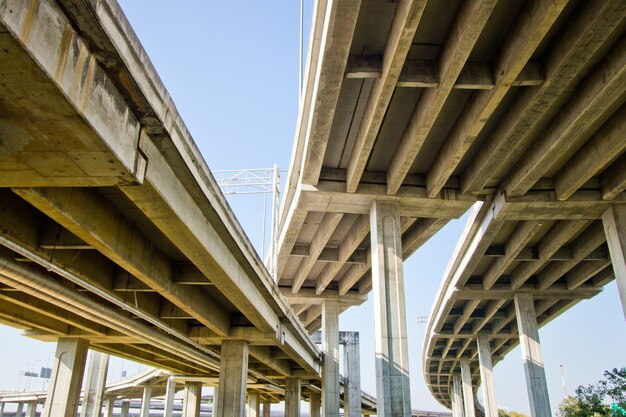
point(232, 69)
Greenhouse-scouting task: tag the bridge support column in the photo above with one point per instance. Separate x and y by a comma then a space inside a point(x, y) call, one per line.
point(1, 409)
point(614, 221)
point(468, 391)
point(109, 404)
point(94, 384)
point(125, 408)
point(231, 400)
point(267, 409)
point(486, 376)
point(293, 392)
point(145, 401)
point(315, 405)
point(31, 409)
point(170, 391)
point(66, 379)
point(352, 376)
point(252, 405)
point(393, 391)
point(531, 356)
point(330, 361)
point(20, 409)
point(457, 397)
point(191, 399)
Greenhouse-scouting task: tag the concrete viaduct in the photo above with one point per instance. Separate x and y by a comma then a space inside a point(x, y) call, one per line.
point(115, 237)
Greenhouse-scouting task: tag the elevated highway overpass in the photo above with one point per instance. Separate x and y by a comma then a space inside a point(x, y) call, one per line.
point(113, 232)
point(414, 111)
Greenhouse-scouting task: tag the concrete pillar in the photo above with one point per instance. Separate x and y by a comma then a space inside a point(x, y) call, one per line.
point(231, 400)
point(614, 221)
point(267, 409)
point(486, 376)
point(191, 399)
point(252, 405)
point(393, 391)
point(468, 391)
point(67, 376)
point(531, 356)
point(170, 391)
point(31, 409)
point(214, 405)
point(457, 396)
point(93, 391)
point(293, 391)
point(19, 410)
point(145, 401)
point(125, 408)
point(330, 360)
point(351, 376)
point(315, 404)
point(1, 409)
point(109, 404)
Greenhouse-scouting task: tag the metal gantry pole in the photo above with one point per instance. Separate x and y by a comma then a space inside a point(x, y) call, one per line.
point(257, 181)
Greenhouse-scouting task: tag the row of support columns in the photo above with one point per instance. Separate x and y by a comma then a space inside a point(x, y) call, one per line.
point(462, 392)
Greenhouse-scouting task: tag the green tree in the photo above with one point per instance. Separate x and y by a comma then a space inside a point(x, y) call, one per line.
point(593, 400)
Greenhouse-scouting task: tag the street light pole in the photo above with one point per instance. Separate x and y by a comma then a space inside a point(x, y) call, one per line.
point(563, 380)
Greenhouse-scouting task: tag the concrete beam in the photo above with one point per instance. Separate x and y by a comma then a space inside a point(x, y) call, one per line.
point(589, 29)
point(310, 296)
point(329, 254)
point(532, 356)
point(336, 40)
point(67, 375)
point(330, 196)
point(100, 131)
point(233, 266)
point(592, 103)
point(467, 27)
point(614, 221)
point(405, 22)
point(97, 222)
point(424, 73)
point(323, 233)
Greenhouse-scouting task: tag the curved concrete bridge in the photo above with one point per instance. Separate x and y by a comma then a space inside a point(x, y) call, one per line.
point(115, 236)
